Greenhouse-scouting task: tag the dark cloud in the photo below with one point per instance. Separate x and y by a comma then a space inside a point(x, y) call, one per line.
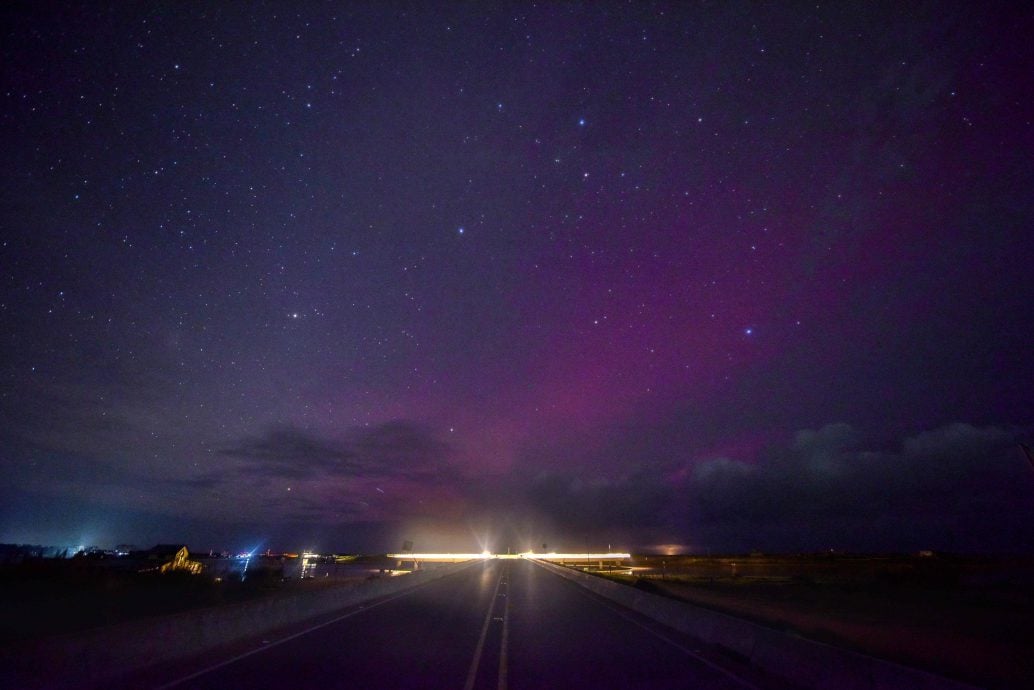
point(591, 503)
point(395, 449)
point(955, 488)
point(401, 447)
point(292, 453)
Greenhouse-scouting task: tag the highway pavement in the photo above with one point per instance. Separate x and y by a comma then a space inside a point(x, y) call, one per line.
point(499, 624)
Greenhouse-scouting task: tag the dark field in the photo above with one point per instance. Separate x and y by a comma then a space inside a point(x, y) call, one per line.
point(46, 597)
point(968, 618)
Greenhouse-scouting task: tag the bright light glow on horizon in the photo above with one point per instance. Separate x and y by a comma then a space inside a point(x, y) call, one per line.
point(485, 555)
point(553, 556)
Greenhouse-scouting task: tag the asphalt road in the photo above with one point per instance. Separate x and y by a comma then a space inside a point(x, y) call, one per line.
point(498, 624)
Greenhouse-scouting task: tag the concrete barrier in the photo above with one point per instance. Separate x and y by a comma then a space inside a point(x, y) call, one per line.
point(89, 658)
point(805, 663)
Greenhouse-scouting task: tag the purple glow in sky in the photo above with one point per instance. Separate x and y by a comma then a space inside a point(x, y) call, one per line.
point(733, 277)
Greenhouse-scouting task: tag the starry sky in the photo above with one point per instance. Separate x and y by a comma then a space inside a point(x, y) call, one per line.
point(704, 277)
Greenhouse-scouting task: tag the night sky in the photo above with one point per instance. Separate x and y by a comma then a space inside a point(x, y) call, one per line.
point(709, 277)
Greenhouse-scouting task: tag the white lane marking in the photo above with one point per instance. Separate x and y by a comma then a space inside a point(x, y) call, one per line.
point(476, 661)
point(745, 683)
point(503, 670)
point(363, 608)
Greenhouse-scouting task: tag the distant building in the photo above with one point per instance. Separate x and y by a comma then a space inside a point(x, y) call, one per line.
point(166, 558)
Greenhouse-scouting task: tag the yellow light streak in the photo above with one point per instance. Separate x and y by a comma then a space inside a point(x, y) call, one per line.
point(552, 556)
point(485, 555)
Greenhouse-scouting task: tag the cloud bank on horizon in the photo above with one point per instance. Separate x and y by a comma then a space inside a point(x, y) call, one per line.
point(954, 488)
